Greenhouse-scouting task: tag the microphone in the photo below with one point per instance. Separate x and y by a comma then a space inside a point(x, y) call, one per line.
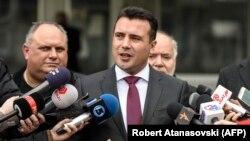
point(244, 122)
point(203, 99)
point(25, 107)
point(53, 80)
point(210, 110)
point(97, 109)
point(201, 89)
point(193, 100)
point(222, 95)
point(183, 115)
point(62, 98)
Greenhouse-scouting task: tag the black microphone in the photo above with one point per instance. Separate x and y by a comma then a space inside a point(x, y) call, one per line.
point(26, 106)
point(183, 115)
point(97, 110)
point(193, 100)
point(201, 89)
point(53, 80)
point(203, 99)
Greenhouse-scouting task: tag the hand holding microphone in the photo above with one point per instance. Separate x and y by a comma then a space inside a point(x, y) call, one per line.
point(30, 124)
point(69, 130)
point(98, 110)
point(25, 107)
point(8, 105)
point(61, 98)
point(222, 95)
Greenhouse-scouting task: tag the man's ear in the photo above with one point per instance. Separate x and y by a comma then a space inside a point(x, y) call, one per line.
point(153, 43)
point(25, 50)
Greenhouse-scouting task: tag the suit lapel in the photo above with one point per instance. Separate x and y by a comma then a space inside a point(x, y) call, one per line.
point(108, 84)
point(153, 94)
point(245, 72)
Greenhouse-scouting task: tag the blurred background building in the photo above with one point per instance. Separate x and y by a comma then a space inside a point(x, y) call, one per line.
point(210, 33)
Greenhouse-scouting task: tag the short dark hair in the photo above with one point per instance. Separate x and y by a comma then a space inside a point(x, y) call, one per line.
point(133, 12)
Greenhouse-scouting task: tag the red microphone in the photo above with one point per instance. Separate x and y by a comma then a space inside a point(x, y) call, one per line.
point(244, 122)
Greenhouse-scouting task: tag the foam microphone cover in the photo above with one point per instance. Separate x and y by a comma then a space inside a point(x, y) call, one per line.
point(40, 102)
point(203, 99)
point(111, 103)
point(174, 112)
point(58, 77)
point(201, 89)
point(65, 96)
point(23, 107)
point(192, 101)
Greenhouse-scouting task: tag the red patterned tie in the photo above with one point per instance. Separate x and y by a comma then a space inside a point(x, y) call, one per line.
point(134, 114)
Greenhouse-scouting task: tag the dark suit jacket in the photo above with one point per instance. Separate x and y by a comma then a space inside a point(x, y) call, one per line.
point(162, 90)
point(235, 76)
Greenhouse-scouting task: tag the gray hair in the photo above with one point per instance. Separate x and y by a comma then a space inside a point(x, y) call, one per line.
point(34, 27)
point(173, 42)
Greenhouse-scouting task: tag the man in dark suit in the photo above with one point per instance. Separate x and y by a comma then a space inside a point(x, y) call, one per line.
point(134, 35)
point(235, 76)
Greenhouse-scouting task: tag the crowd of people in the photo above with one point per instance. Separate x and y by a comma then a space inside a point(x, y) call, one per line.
point(140, 51)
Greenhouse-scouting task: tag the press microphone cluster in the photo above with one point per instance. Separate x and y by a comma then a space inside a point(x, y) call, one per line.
point(32, 101)
point(24, 107)
point(53, 80)
point(97, 110)
point(209, 110)
point(222, 95)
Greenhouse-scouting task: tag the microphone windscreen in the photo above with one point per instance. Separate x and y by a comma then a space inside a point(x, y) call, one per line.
point(203, 99)
point(23, 108)
point(65, 96)
point(39, 101)
point(193, 100)
point(58, 77)
point(174, 109)
point(28, 105)
point(201, 89)
point(111, 102)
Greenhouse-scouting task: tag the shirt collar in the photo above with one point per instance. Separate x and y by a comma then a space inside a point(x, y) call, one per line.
point(144, 73)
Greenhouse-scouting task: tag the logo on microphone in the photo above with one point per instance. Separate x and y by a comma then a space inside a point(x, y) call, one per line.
point(62, 90)
point(99, 111)
point(54, 72)
point(184, 117)
point(221, 95)
point(202, 117)
point(212, 107)
point(217, 97)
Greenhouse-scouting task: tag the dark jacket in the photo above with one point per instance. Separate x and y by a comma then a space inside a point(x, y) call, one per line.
point(162, 90)
point(8, 87)
point(235, 76)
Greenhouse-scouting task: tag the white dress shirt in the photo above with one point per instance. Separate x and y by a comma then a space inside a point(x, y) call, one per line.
point(122, 88)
